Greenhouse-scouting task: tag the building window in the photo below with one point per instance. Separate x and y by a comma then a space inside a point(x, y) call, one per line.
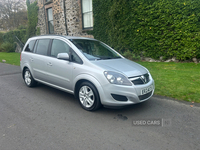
point(87, 14)
point(50, 20)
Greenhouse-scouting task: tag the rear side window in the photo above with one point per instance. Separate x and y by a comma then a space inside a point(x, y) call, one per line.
point(42, 46)
point(30, 46)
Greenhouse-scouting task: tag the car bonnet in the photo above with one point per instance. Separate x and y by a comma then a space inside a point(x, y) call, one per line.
point(124, 66)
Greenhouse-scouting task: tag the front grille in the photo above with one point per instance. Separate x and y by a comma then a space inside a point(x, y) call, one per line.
point(139, 80)
point(145, 96)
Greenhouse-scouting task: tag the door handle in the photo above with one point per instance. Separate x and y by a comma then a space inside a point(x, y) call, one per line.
point(50, 64)
point(31, 59)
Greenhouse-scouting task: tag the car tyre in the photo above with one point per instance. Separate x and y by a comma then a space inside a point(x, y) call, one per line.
point(28, 78)
point(88, 96)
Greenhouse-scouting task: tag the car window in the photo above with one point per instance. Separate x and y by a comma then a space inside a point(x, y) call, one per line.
point(76, 58)
point(42, 46)
point(29, 47)
point(94, 50)
point(59, 46)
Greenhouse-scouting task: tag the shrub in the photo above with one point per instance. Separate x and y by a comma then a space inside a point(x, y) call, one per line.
point(130, 55)
point(10, 36)
point(1, 38)
point(7, 47)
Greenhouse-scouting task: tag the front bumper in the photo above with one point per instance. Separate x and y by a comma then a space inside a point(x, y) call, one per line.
point(132, 94)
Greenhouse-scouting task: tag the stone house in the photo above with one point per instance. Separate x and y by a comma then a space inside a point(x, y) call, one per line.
point(65, 17)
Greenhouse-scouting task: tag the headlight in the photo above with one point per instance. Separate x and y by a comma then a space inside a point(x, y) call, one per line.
point(117, 78)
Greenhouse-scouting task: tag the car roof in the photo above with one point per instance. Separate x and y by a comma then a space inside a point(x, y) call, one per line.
point(67, 37)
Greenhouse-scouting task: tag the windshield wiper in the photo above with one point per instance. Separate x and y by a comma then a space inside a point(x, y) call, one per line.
point(110, 58)
point(105, 58)
point(98, 59)
point(116, 57)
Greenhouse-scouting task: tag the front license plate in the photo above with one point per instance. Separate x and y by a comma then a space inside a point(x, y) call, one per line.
point(146, 90)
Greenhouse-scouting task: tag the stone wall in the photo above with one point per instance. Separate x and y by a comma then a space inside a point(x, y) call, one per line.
point(41, 18)
point(68, 23)
point(59, 17)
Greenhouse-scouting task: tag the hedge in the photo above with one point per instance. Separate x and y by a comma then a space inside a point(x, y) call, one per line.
point(150, 28)
point(1, 37)
point(7, 42)
point(7, 47)
point(10, 35)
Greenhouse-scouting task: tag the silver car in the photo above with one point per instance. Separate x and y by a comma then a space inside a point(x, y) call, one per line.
point(94, 72)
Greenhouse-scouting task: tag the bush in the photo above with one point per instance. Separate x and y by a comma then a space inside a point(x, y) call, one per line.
point(7, 47)
point(1, 38)
point(9, 37)
point(152, 28)
point(130, 55)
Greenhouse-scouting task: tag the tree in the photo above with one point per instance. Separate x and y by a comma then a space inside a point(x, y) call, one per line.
point(32, 18)
point(13, 13)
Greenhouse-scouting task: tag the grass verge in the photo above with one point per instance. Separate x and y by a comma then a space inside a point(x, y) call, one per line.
point(176, 80)
point(11, 58)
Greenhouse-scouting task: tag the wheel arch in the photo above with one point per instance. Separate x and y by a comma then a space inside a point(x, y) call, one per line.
point(24, 71)
point(78, 83)
point(26, 66)
point(87, 78)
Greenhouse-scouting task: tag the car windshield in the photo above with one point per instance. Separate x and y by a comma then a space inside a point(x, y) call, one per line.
point(94, 50)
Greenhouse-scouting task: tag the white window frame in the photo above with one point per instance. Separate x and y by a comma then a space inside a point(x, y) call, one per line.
point(50, 21)
point(87, 14)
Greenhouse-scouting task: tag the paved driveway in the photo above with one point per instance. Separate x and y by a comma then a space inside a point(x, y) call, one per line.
point(43, 118)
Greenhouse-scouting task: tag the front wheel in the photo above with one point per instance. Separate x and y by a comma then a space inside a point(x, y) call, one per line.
point(88, 96)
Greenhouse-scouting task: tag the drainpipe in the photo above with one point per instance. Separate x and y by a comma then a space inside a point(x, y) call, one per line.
point(65, 16)
point(45, 18)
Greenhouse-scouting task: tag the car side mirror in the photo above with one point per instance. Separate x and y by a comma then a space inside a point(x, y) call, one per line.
point(63, 56)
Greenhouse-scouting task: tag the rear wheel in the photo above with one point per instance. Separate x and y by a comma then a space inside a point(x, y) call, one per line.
point(88, 96)
point(28, 79)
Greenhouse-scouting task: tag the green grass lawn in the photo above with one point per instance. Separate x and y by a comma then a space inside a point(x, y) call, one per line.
point(176, 80)
point(11, 58)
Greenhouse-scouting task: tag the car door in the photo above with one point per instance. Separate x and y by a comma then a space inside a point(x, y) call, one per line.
point(28, 54)
point(59, 71)
point(39, 66)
